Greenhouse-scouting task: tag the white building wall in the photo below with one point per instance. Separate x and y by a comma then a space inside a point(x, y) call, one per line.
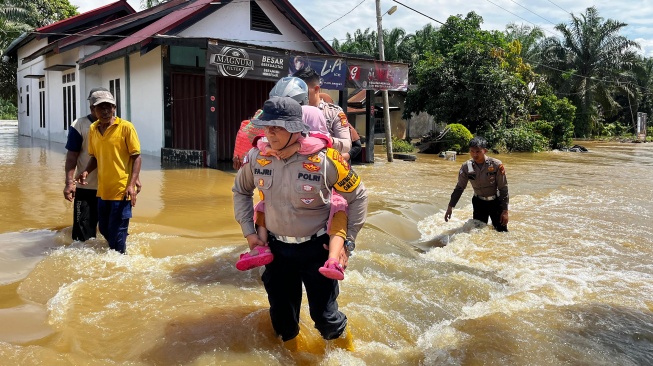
point(146, 85)
point(29, 125)
point(54, 120)
point(232, 22)
point(90, 77)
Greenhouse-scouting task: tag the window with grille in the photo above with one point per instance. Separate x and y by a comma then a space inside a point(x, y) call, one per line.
point(114, 88)
point(42, 103)
point(69, 99)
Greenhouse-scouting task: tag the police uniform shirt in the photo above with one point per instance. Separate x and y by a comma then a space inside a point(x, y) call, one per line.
point(338, 126)
point(296, 192)
point(488, 180)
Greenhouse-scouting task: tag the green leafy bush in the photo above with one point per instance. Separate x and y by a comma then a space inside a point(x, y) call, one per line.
point(557, 123)
point(8, 110)
point(402, 146)
point(457, 139)
point(525, 139)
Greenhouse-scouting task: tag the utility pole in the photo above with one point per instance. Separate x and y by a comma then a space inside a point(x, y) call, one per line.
point(386, 103)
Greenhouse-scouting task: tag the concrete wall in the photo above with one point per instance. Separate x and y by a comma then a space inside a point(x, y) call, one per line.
point(54, 95)
point(232, 22)
point(29, 125)
point(146, 90)
point(421, 124)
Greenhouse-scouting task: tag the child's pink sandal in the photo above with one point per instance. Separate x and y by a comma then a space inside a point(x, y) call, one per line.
point(248, 261)
point(333, 269)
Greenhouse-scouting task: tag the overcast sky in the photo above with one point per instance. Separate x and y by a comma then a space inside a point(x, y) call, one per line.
point(496, 14)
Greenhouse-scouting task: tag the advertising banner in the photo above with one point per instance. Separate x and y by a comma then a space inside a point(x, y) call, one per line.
point(245, 63)
point(371, 75)
point(332, 70)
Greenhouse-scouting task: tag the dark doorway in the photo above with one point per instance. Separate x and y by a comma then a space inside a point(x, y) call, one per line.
point(188, 111)
point(236, 100)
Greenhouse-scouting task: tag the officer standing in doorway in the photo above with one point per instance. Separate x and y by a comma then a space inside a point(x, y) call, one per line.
point(488, 178)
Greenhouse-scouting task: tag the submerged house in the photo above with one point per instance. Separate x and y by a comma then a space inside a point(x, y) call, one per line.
point(185, 72)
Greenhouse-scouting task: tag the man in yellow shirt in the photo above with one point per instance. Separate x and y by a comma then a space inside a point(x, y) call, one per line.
point(115, 152)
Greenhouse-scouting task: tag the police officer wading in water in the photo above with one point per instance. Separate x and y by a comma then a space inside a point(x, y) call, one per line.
point(488, 178)
point(296, 193)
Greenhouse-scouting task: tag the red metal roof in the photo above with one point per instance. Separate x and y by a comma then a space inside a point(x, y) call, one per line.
point(161, 26)
point(76, 20)
point(106, 28)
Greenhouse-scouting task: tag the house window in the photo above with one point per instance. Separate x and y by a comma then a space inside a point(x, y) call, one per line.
point(69, 99)
point(114, 88)
point(27, 99)
point(42, 103)
point(259, 21)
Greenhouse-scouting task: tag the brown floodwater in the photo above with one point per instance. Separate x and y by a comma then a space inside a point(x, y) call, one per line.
point(570, 284)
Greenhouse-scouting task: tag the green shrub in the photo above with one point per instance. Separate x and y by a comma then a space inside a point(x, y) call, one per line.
point(457, 139)
point(614, 129)
point(525, 139)
point(8, 110)
point(401, 146)
point(557, 123)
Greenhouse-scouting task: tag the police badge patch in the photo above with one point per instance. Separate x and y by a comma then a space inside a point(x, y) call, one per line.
point(311, 167)
point(343, 119)
point(263, 162)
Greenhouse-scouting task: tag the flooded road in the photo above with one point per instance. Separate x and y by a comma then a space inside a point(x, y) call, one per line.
point(570, 284)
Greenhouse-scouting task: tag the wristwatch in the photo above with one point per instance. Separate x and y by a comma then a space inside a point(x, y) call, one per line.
point(350, 245)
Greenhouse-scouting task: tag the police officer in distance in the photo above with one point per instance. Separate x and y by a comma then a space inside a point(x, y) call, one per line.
point(337, 122)
point(296, 191)
point(488, 178)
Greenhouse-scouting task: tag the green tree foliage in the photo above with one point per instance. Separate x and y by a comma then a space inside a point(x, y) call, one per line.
point(557, 121)
point(530, 39)
point(7, 110)
point(472, 77)
point(17, 17)
point(146, 4)
point(522, 138)
point(592, 63)
point(361, 42)
point(366, 43)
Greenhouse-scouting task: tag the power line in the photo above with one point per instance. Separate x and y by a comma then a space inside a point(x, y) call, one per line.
point(568, 12)
point(418, 12)
point(347, 13)
point(527, 9)
point(508, 11)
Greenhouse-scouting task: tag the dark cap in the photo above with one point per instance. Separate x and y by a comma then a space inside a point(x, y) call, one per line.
point(94, 90)
point(284, 112)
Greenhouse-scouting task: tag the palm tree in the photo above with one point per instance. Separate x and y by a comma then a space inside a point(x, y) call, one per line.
point(392, 41)
point(416, 46)
point(361, 42)
point(529, 38)
point(590, 65)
